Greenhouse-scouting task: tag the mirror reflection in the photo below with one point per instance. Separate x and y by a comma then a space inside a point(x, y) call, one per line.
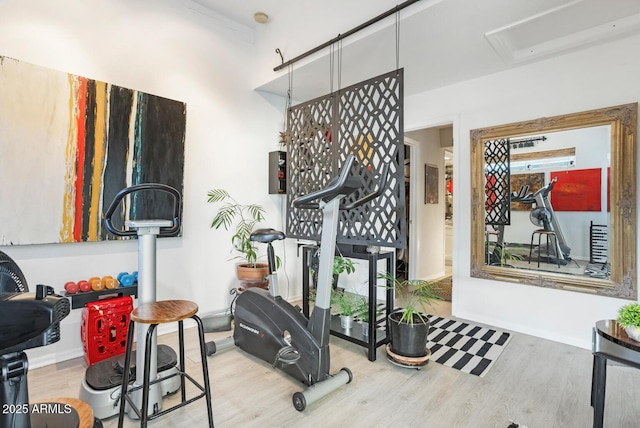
point(553, 202)
point(559, 203)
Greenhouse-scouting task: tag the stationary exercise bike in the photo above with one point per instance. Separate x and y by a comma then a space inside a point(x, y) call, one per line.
point(101, 384)
point(270, 328)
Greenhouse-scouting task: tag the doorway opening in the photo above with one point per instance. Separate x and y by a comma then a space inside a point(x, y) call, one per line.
point(429, 167)
point(402, 255)
point(448, 211)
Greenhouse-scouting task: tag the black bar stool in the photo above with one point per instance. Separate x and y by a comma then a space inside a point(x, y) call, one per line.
point(551, 238)
point(155, 313)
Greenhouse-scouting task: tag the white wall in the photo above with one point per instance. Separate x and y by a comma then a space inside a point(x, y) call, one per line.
point(162, 48)
point(597, 77)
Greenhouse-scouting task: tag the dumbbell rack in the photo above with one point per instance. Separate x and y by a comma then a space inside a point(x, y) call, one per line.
point(80, 299)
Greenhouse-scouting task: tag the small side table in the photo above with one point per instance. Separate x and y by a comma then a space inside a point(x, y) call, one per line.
point(609, 342)
point(379, 333)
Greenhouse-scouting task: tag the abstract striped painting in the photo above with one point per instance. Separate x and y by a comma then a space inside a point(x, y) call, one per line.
point(68, 144)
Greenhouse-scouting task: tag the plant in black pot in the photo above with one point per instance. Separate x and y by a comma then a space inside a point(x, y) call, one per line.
point(409, 326)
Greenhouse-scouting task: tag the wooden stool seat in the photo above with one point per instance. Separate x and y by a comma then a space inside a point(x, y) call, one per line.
point(154, 313)
point(164, 311)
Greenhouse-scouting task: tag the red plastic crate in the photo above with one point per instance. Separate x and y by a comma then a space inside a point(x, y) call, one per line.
point(104, 328)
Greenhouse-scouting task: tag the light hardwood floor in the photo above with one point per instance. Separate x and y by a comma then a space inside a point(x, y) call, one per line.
point(536, 383)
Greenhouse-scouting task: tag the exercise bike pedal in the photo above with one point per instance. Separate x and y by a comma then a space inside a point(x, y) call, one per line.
point(287, 355)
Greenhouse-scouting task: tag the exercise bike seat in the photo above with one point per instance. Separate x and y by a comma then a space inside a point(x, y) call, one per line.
point(266, 235)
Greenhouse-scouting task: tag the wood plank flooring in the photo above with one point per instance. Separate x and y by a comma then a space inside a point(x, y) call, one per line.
point(536, 383)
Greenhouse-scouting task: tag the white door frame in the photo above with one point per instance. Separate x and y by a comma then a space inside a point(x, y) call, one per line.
point(413, 195)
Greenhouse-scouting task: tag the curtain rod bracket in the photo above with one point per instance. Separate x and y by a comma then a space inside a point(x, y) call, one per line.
point(279, 52)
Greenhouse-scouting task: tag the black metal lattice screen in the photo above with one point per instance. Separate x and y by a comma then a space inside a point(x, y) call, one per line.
point(366, 120)
point(497, 182)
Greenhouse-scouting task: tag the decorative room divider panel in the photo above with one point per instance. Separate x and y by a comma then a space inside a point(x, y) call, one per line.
point(366, 120)
point(498, 182)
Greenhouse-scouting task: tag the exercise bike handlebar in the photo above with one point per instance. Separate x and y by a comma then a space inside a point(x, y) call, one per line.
point(164, 231)
point(338, 186)
point(546, 189)
point(371, 196)
point(333, 188)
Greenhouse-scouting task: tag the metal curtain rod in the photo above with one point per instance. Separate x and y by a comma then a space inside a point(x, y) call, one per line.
point(347, 34)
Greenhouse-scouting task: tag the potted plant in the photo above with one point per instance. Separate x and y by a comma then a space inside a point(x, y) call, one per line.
point(501, 255)
point(629, 319)
point(362, 312)
point(243, 218)
point(347, 304)
point(409, 326)
point(341, 264)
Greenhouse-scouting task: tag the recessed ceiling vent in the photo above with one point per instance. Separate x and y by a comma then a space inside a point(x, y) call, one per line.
point(573, 25)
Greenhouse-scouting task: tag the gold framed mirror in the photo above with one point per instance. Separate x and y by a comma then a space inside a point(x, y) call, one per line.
point(584, 164)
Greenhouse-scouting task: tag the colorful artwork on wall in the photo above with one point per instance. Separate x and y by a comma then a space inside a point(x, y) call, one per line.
point(70, 143)
point(577, 190)
point(535, 182)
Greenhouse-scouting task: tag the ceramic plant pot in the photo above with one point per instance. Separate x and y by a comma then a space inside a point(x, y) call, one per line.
point(246, 273)
point(408, 340)
point(633, 332)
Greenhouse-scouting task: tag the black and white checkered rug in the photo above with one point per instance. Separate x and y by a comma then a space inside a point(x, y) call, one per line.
point(463, 346)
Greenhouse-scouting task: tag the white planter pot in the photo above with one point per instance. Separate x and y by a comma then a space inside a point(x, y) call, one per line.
point(633, 332)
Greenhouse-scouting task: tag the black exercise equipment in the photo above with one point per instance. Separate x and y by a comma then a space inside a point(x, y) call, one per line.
point(29, 320)
point(270, 328)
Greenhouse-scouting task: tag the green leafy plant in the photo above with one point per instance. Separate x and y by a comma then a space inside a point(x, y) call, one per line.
point(629, 315)
point(419, 294)
point(504, 256)
point(244, 217)
point(343, 264)
point(347, 302)
point(340, 264)
point(362, 309)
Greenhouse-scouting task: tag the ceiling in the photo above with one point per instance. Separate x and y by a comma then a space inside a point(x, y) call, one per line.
point(443, 42)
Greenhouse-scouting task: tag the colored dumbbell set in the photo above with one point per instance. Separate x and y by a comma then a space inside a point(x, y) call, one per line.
point(124, 279)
